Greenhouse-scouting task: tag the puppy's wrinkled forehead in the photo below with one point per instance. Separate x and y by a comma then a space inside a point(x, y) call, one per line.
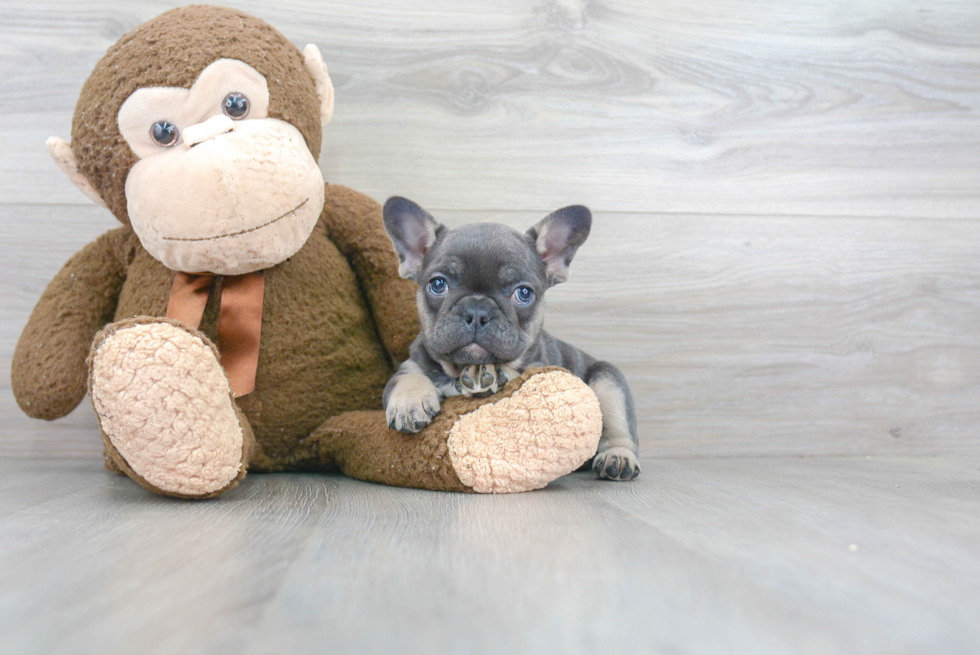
point(485, 254)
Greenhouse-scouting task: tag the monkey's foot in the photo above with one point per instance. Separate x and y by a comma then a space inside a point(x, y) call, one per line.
point(166, 409)
point(547, 427)
point(542, 425)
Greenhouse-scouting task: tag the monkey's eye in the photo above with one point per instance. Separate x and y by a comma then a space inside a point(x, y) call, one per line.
point(438, 286)
point(522, 295)
point(235, 106)
point(164, 133)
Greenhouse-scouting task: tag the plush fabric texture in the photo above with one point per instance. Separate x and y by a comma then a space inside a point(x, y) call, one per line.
point(540, 426)
point(234, 208)
point(172, 50)
point(48, 373)
point(547, 428)
point(60, 150)
point(165, 405)
point(321, 352)
point(332, 324)
point(336, 317)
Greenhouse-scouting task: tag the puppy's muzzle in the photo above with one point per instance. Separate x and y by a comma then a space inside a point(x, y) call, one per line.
point(477, 312)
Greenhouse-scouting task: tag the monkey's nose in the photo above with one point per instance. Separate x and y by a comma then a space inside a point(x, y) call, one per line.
point(209, 129)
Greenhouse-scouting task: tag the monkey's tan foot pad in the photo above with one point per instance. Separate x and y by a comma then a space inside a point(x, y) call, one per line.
point(165, 405)
point(547, 428)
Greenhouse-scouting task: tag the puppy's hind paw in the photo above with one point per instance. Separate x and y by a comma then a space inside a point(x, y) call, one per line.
point(481, 380)
point(616, 463)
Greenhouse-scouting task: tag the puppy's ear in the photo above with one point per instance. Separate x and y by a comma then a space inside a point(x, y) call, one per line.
point(558, 236)
point(412, 230)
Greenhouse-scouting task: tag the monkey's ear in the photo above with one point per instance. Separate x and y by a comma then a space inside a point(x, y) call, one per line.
point(557, 236)
point(321, 77)
point(412, 231)
point(63, 156)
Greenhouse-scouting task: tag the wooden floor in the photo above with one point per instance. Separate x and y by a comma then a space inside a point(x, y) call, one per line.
point(736, 555)
point(785, 262)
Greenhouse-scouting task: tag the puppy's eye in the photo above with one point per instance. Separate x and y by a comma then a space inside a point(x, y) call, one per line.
point(235, 106)
point(164, 133)
point(438, 286)
point(522, 295)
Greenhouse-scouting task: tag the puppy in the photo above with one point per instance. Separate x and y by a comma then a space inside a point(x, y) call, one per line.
point(481, 308)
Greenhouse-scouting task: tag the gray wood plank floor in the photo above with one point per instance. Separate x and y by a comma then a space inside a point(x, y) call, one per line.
point(785, 263)
point(737, 555)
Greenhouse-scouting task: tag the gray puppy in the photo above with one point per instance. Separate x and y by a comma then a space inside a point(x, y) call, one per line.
point(481, 307)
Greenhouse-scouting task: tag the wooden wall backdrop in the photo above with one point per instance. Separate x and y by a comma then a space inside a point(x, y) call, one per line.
point(786, 250)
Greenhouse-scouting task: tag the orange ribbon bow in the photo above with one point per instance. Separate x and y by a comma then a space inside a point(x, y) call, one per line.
point(239, 319)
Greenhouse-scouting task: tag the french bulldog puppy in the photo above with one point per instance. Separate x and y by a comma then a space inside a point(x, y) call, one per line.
point(481, 308)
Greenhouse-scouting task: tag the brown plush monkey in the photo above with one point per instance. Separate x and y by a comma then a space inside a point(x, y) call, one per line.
point(247, 315)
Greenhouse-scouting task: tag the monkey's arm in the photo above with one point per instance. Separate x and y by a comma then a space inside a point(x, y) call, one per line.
point(49, 374)
point(355, 226)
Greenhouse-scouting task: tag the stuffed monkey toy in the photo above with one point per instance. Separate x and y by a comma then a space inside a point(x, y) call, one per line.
point(247, 315)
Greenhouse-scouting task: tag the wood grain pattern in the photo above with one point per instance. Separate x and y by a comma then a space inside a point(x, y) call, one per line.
point(698, 556)
point(739, 335)
point(785, 257)
point(834, 108)
point(785, 263)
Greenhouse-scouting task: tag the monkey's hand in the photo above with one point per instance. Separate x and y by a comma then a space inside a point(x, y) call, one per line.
point(49, 375)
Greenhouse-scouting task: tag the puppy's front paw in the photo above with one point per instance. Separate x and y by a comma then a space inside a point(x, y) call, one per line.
point(616, 463)
point(412, 404)
point(481, 380)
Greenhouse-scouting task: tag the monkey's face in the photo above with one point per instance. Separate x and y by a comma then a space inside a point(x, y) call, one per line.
point(219, 186)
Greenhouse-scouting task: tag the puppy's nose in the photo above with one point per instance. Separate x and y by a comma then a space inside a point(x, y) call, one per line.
point(476, 315)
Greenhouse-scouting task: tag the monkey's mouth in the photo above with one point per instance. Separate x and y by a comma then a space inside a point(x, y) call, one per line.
point(241, 232)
